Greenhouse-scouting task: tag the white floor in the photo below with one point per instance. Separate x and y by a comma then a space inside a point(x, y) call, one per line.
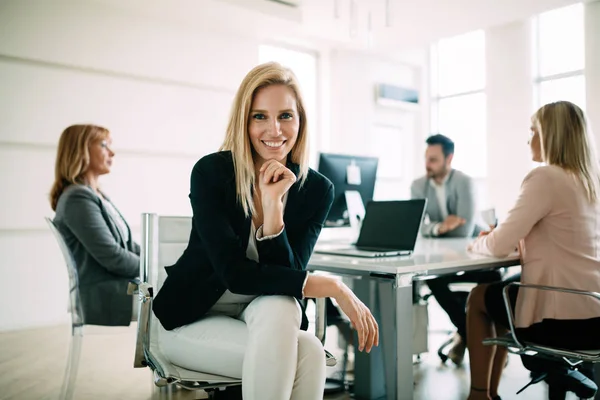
point(32, 363)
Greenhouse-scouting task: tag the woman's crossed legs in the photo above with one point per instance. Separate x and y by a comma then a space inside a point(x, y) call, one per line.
point(263, 346)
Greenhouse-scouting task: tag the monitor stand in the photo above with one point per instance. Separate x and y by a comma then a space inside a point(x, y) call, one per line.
point(356, 211)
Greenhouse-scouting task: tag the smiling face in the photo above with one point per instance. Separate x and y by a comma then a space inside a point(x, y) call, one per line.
point(273, 123)
point(101, 156)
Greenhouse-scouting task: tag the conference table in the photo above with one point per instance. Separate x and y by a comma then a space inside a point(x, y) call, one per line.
point(385, 285)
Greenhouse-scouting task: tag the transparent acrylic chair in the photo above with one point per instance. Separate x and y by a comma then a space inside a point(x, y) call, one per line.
point(164, 238)
point(77, 321)
point(77, 316)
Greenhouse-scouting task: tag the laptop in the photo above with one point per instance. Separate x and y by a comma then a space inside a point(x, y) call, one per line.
point(390, 228)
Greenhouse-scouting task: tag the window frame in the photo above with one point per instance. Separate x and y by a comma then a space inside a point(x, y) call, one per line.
point(538, 78)
point(436, 98)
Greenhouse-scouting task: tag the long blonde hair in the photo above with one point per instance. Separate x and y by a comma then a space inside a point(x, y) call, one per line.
point(237, 139)
point(566, 142)
point(73, 157)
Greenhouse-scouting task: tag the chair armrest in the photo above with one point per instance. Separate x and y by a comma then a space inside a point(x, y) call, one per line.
point(142, 342)
point(321, 328)
point(509, 311)
point(133, 286)
point(321, 319)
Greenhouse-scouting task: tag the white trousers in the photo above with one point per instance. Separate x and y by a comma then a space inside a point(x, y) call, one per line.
point(263, 345)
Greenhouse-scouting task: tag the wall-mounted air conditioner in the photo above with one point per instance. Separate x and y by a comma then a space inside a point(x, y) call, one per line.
point(286, 9)
point(396, 96)
point(290, 3)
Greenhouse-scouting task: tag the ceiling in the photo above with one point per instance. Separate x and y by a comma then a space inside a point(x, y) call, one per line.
point(349, 23)
point(423, 21)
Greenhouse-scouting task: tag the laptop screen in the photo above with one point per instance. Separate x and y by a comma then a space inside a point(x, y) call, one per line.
point(392, 224)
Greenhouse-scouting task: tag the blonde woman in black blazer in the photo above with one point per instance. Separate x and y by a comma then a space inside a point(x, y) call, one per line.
point(229, 305)
point(96, 233)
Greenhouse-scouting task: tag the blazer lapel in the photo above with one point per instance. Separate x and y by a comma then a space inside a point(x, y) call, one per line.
point(433, 208)
point(292, 203)
point(246, 232)
point(293, 194)
point(112, 225)
point(238, 217)
point(450, 195)
point(129, 244)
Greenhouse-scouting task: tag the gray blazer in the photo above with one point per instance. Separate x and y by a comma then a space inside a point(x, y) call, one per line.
point(105, 262)
point(460, 201)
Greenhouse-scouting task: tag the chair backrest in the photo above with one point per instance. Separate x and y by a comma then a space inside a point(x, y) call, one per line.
point(164, 239)
point(75, 308)
point(163, 242)
point(515, 346)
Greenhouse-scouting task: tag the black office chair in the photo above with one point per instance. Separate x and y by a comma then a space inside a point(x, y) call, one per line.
point(563, 370)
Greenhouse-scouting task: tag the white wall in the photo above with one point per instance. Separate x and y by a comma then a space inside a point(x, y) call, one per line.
point(164, 90)
point(360, 126)
point(592, 65)
point(509, 89)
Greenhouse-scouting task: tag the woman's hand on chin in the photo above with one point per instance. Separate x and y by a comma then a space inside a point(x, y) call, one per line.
point(274, 180)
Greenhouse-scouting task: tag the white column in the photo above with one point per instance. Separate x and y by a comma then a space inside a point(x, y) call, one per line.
point(592, 65)
point(509, 89)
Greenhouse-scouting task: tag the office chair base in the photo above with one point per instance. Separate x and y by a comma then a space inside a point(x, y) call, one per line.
point(536, 377)
point(333, 386)
point(443, 356)
point(227, 393)
point(456, 351)
point(569, 381)
point(576, 382)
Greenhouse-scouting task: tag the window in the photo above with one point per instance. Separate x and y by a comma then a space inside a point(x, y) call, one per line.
point(458, 98)
point(463, 119)
point(304, 66)
point(560, 55)
point(571, 88)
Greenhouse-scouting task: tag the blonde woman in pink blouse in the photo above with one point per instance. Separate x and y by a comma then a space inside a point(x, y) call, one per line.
point(555, 223)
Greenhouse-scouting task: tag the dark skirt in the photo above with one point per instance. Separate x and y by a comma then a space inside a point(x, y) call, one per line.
point(572, 334)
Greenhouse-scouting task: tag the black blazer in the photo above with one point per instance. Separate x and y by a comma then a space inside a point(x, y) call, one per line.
point(215, 259)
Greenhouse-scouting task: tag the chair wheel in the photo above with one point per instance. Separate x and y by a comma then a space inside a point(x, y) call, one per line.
point(440, 352)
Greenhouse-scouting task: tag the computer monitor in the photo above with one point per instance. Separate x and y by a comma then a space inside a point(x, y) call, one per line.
point(347, 172)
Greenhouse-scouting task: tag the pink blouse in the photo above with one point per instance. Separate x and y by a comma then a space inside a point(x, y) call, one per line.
point(560, 231)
